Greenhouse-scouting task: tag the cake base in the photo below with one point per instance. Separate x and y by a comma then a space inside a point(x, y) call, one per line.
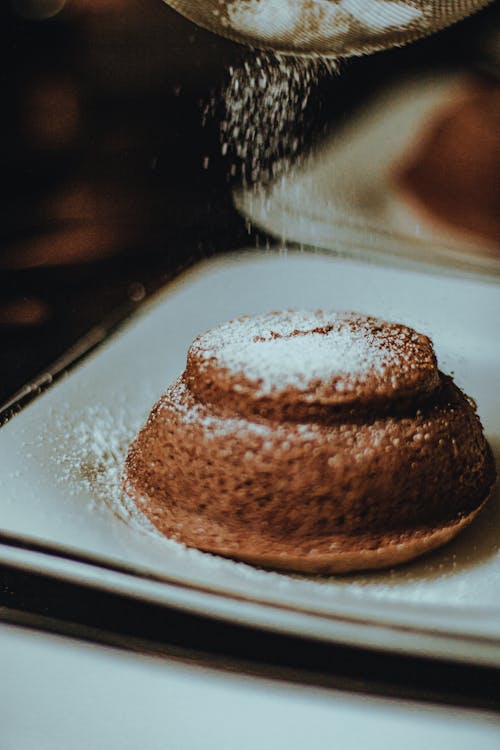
point(338, 553)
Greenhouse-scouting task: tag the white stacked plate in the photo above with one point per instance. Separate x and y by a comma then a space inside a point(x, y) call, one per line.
point(61, 458)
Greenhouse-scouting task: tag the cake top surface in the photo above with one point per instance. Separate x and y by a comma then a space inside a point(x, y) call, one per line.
point(318, 355)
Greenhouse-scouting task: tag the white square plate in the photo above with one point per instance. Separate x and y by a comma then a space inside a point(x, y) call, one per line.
point(61, 457)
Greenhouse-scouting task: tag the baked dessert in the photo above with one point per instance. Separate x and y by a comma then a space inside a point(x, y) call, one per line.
point(450, 179)
point(311, 441)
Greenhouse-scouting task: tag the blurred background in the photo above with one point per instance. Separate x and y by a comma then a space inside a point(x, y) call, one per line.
point(111, 160)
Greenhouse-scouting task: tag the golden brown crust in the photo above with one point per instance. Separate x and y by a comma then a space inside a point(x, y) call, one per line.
point(356, 487)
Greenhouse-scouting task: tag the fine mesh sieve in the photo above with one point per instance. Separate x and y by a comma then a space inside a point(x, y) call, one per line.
point(328, 28)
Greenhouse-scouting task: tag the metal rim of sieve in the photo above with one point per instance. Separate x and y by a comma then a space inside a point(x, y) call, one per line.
point(359, 40)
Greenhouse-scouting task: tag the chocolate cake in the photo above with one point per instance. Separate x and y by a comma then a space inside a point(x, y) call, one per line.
point(311, 441)
point(451, 177)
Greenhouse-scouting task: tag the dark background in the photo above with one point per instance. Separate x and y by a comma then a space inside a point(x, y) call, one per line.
point(102, 151)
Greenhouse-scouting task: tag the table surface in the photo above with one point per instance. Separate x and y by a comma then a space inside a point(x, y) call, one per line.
point(81, 695)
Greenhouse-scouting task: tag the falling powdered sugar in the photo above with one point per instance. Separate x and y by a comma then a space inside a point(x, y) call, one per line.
point(265, 101)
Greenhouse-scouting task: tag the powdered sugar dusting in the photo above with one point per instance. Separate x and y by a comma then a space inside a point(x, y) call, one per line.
point(301, 348)
point(305, 22)
point(193, 412)
point(93, 456)
point(299, 21)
